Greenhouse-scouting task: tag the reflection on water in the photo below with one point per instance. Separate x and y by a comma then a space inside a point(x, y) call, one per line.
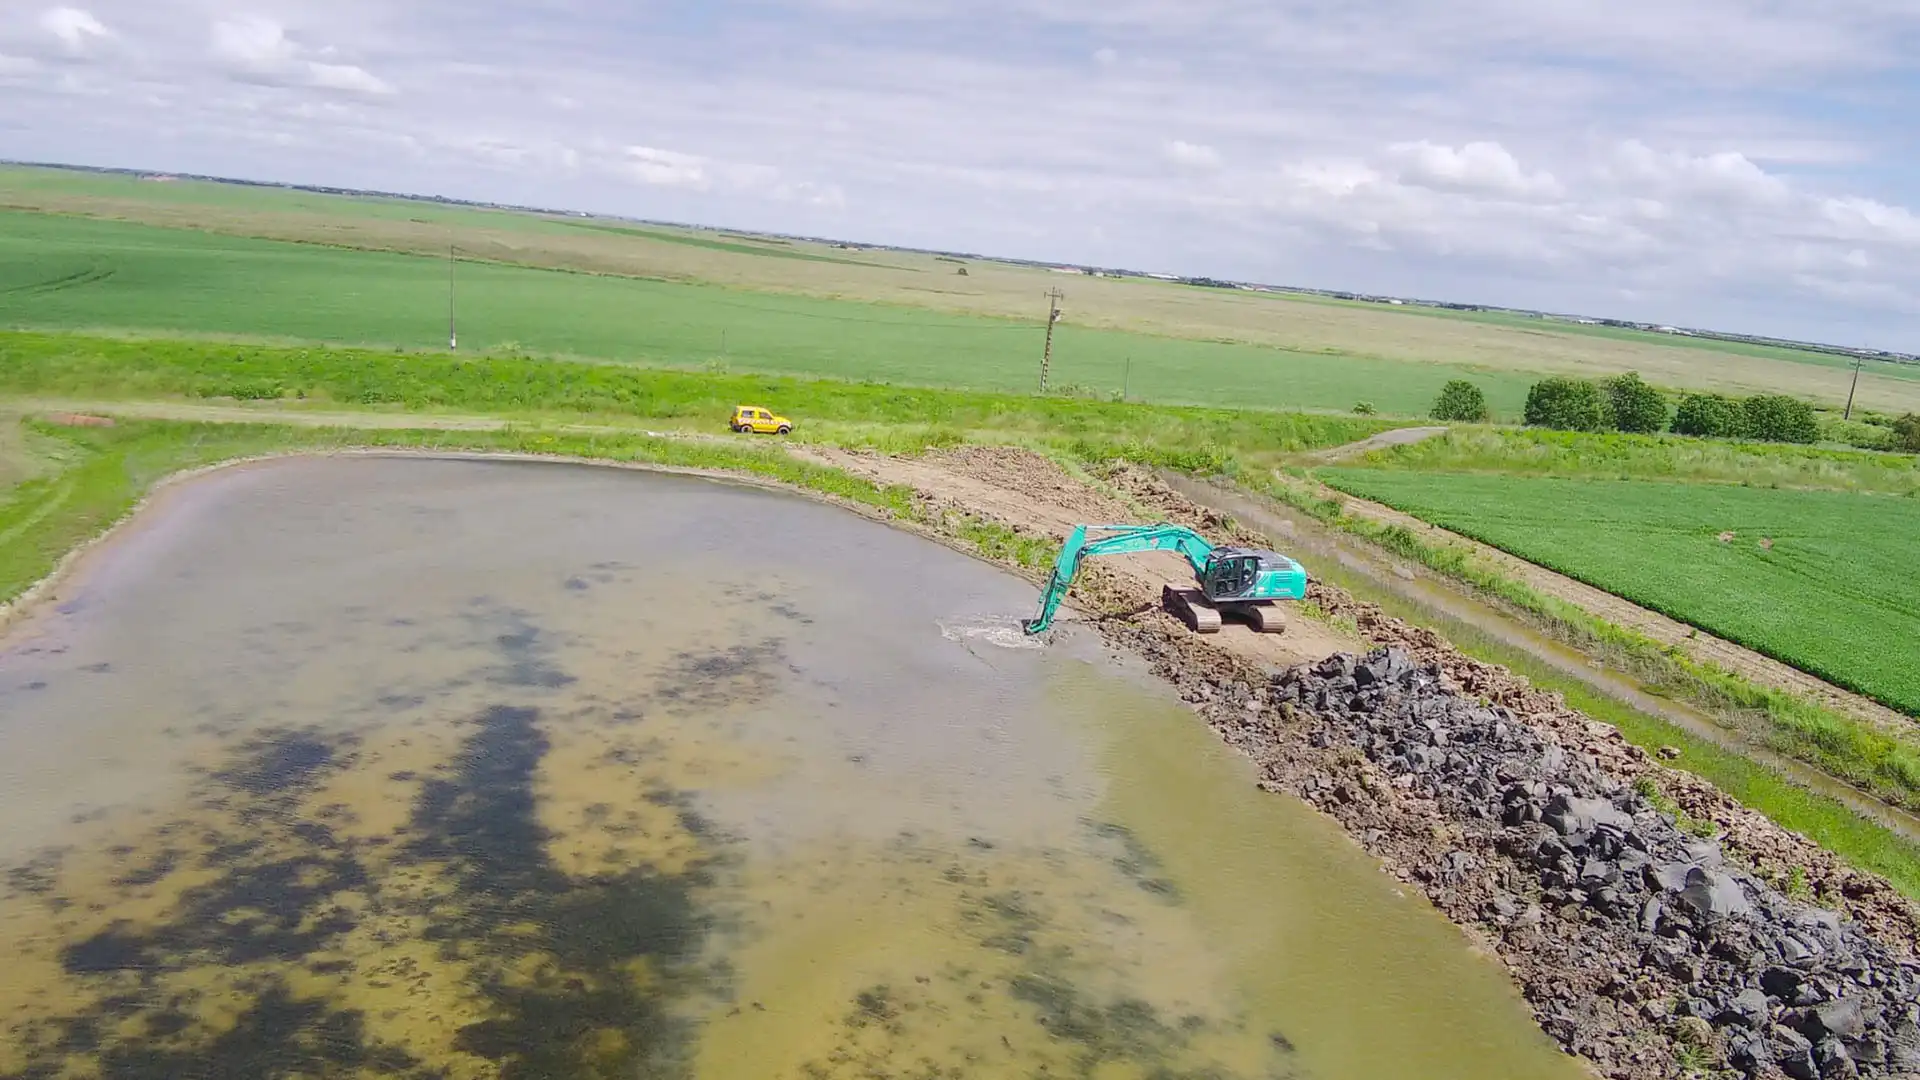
point(406, 768)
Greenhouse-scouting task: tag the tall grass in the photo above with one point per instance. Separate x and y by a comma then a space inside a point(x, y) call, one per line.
point(1613, 455)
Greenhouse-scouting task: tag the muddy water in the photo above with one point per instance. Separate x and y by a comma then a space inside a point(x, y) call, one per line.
point(411, 768)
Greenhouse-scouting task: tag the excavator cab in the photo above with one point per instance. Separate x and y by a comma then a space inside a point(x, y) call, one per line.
point(1231, 573)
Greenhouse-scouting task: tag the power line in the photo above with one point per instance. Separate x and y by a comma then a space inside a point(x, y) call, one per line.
point(453, 328)
point(1054, 296)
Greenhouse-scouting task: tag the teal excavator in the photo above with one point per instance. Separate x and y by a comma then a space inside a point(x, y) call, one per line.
point(1241, 582)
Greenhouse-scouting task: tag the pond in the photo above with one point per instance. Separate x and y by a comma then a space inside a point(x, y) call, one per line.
point(392, 766)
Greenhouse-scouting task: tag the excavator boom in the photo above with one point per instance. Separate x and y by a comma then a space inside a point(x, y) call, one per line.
point(1112, 540)
point(1240, 579)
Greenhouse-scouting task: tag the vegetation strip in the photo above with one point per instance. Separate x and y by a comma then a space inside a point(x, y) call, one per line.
point(1836, 743)
point(1817, 579)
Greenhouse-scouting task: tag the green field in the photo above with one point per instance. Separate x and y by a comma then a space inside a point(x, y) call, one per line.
point(71, 366)
point(1836, 595)
point(75, 273)
point(1617, 456)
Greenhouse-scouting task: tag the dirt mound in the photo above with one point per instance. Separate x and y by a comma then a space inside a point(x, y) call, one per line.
point(1027, 473)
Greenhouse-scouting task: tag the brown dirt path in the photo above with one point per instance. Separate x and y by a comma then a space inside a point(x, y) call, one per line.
point(1029, 494)
point(1697, 644)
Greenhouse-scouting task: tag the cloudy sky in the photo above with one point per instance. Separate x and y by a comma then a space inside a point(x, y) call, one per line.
point(1746, 164)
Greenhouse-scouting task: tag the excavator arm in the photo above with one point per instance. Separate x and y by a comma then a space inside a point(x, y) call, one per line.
point(1112, 540)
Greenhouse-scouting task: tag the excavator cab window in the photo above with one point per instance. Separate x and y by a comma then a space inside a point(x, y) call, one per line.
point(1231, 576)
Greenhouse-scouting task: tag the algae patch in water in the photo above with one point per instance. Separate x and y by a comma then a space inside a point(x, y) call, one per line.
point(248, 936)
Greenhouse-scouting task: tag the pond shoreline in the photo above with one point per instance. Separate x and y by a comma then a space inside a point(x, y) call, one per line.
point(1413, 839)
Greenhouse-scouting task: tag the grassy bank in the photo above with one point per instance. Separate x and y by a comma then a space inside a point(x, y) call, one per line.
point(1821, 580)
point(1615, 456)
point(1831, 741)
point(66, 365)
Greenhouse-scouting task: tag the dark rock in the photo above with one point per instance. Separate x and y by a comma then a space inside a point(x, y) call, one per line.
point(1780, 982)
point(1747, 1009)
point(1830, 1054)
point(1748, 1051)
point(1841, 1018)
point(1793, 1053)
point(1713, 895)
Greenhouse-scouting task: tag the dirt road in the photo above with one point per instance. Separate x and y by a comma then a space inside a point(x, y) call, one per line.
point(1405, 436)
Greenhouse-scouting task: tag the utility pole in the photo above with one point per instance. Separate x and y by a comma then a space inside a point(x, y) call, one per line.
point(1054, 296)
point(1126, 381)
point(453, 330)
point(1857, 361)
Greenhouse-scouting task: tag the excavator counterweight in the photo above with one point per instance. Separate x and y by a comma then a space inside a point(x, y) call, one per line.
point(1242, 582)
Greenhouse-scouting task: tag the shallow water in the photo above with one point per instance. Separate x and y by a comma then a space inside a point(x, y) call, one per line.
point(400, 767)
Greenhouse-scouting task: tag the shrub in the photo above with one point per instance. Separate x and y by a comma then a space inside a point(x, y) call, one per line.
point(1778, 418)
point(1364, 408)
point(1566, 404)
point(1906, 433)
point(1460, 401)
point(1710, 416)
point(1634, 406)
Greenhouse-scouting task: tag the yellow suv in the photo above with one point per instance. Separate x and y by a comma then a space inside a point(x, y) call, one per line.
point(756, 419)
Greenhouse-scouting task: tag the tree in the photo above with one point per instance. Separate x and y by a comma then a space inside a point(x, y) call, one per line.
point(1635, 406)
point(1779, 418)
point(1709, 416)
point(1906, 433)
point(1460, 401)
point(1567, 404)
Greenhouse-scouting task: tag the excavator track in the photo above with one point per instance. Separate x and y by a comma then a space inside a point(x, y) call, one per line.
point(1260, 618)
point(1191, 606)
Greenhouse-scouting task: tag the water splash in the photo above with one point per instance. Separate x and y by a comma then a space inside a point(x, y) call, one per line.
point(997, 630)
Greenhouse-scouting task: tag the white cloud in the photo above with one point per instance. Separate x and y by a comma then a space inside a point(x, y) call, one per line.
point(666, 168)
point(75, 28)
point(251, 41)
point(17, 65)
point(1106, 57)
point(1857, 218)
point(347, 77)
point(1723, 174)
point(259, 49)
point(1485, 167)
point(1192, 155)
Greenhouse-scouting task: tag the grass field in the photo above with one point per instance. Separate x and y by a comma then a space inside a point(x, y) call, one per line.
point(1359, 334)
point(79, 367)
point(72, 273)
point(1835, 595)
point(1614, 456)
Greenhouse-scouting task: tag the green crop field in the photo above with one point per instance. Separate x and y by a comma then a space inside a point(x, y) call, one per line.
point(74, 273)
point(1836, 595)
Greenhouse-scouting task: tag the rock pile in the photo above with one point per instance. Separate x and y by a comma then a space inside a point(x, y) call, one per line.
point(1672, 934)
